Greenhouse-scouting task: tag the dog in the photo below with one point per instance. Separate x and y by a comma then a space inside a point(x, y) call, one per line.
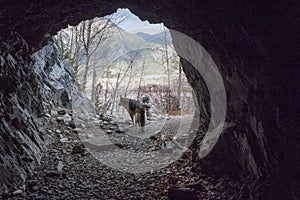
point(136, 110)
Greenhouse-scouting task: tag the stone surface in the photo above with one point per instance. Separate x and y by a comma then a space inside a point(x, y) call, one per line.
point(62, 175)
point(39, 84)
point(253, 45)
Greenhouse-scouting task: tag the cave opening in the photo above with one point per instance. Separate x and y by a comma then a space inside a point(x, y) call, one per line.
point(119, 55)
point(258, 144)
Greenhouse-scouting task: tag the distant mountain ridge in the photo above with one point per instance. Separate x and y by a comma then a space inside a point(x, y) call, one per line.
point(156, 38)
point(118, 51)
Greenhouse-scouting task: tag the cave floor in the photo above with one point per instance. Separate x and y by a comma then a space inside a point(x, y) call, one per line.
point(69, 171)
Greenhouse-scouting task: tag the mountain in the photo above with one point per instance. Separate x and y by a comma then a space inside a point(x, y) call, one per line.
point(123, 46)
point(116, 53)
point(156, 38)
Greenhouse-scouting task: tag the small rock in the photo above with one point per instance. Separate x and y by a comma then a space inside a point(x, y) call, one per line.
point(61, 112)
point(97, 122)
point(72, 124)
point(77, 149)
point(156, 136)
point(67, 118)
point(59, 191)
point(52, 173)
point(109, 131)
point(58, 131)
point(53, 113)
point(63, 140)
point(26, 158)
point(119, 131)
point(60, 166)
point(32, 183)
point(35, 188)
point(106, 119)
point(82, 125)
point(60, 119)
point(76, 130)
point(219, 185)
point(204, 182)
point(17, 192)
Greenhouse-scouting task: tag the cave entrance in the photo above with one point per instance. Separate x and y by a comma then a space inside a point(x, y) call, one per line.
point(129, 69)
point(120, 55)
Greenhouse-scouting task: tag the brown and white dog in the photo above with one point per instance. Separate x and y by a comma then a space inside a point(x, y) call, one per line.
point(136, 110)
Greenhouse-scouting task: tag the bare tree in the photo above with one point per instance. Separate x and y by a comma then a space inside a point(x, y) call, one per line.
point(91, 41)
point(140, 81)
point(118, 82)
point(106, 99)
point(99, 36)
point(165, 39)
point(77, 47)
point(82, 41)
point(130, 65)
point(179, 82)
point(86, 38)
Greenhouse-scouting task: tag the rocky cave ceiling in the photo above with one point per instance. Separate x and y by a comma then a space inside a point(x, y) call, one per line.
point(253, 44)
point(249, 35)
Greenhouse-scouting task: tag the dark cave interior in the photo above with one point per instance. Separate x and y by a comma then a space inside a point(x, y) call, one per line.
point(253, 45)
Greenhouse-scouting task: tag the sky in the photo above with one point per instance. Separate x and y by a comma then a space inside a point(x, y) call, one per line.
point(134, 24)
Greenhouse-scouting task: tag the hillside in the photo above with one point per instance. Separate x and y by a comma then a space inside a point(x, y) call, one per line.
point(156, 38)
point(118, 51)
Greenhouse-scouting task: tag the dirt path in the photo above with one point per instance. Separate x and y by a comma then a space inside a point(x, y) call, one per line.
point(70, 171)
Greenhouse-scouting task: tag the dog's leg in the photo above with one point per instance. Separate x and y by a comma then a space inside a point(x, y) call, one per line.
point(134, 120)
point(142, 129)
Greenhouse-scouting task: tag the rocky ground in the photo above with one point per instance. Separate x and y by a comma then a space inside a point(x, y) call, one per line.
point(69, 170)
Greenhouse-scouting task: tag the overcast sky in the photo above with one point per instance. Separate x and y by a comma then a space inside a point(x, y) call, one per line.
point(133, 23)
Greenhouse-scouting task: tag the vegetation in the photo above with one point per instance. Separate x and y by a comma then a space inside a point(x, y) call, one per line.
point(154, 70)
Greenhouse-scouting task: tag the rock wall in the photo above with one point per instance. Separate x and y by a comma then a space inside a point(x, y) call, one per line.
point(260, 101)
point(254, 47)
point(30, 88)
